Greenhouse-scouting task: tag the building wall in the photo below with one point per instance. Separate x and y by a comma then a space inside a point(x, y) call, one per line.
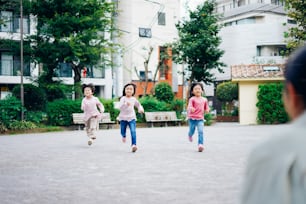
point(247, 102)
point(137, 14)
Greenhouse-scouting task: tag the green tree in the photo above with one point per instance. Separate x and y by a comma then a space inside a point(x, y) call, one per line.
point(227, 92)
point(198, 43)
point(296, 36)
point(73, 32)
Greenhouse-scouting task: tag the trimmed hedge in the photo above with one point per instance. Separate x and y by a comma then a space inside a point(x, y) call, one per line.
point(270, 104)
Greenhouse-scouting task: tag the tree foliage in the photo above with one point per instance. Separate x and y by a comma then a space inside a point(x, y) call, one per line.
point(227, 91)
point(73, 32)
point(296, 36)
point(198, 43)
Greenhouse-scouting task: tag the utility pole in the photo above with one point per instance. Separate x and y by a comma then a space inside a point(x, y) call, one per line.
point(21, 61)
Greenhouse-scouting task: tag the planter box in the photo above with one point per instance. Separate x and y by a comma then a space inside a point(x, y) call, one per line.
point(223, 118)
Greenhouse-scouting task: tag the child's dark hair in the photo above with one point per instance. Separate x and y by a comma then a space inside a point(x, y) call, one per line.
point(192, 86)
point(91, 86)
point(129, 84)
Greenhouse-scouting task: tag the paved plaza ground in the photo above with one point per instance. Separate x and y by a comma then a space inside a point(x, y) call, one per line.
point(60, 168)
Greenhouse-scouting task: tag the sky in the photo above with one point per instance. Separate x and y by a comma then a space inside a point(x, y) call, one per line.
point(191, 4)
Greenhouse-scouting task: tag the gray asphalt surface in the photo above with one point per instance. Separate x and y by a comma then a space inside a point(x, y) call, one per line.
point(60, 168)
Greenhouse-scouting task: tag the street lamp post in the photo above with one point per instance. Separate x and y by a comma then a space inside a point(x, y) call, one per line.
point(21, 61)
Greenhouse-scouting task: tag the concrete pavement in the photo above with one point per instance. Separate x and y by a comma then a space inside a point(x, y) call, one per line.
point(60, 168)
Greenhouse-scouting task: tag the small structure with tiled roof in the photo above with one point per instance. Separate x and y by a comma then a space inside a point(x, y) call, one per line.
point(249, 77)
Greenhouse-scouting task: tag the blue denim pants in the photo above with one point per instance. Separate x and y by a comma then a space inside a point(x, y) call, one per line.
point(199, 124)
point(132, 126)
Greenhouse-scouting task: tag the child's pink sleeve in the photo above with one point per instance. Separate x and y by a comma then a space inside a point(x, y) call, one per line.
point(206, 106)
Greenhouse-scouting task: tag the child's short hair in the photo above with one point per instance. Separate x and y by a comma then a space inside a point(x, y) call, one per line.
point(91, 86)
point(129, 84)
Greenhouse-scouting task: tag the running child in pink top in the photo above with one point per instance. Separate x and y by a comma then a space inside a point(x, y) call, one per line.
point(92, 115)
point(197, 106)
point(127, 116)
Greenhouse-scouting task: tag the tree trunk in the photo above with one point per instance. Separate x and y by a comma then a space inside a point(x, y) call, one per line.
point(77, 81)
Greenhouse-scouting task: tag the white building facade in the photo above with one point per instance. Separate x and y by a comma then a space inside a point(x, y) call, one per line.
point(253, 32)
point(143, 24)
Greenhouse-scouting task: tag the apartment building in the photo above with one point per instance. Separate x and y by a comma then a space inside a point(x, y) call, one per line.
point(145, 24)
point(253, 39)
point(253, 32)
point(10, 63)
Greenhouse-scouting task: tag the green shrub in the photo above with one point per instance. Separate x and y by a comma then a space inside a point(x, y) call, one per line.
point(109, 108)
point(163, 92)
point(3, 128)
point(178, 106)
point(35, 98)
point(36, 117)
point(208, 119)
point(151, 104)
point(10, 109)
point(270, 105)
point(60, 111)
point(21, 125)
point(56, 91)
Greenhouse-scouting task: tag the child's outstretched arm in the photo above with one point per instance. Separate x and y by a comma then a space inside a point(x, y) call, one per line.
point(139, 107)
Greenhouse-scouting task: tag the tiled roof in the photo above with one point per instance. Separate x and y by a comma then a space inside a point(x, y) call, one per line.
point(256, 71)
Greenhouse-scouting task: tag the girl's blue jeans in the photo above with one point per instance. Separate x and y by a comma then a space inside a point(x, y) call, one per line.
point(132, 126)
point(199, 124)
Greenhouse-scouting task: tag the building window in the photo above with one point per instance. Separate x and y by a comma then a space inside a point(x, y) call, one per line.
point(163, 69)
point(161, 18)
point(142, 75)
point(12, 23)
point(64, 70)
point(145, 32)
point(277, 2)
point(10, 65)
point(241, 3)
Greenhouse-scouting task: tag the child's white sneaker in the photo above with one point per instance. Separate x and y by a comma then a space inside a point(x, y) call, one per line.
point(134, 148)
point(200, 148)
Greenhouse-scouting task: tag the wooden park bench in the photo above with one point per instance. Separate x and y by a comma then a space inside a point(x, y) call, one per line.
point(162, 118)
point(78, 119)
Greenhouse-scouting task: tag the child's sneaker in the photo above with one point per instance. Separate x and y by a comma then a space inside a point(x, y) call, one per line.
point(200, 148)
point(190, 138)
point(134, 148)
point(90, 142)
point(123, 139)
point(93, 138)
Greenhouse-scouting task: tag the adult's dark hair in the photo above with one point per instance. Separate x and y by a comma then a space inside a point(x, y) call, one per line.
point(91, 86)
point(192, 86)
point(295, 72)
point(129, 84)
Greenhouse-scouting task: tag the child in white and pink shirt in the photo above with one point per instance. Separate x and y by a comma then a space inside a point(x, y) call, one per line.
point(92, 115)
point(197, 106)
point(127, 115)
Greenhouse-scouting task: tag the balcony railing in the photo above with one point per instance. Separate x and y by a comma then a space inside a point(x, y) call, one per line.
point(269, 60)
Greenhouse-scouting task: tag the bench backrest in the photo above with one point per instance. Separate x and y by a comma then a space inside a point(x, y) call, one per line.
point(160, 116)
point(79, 117)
